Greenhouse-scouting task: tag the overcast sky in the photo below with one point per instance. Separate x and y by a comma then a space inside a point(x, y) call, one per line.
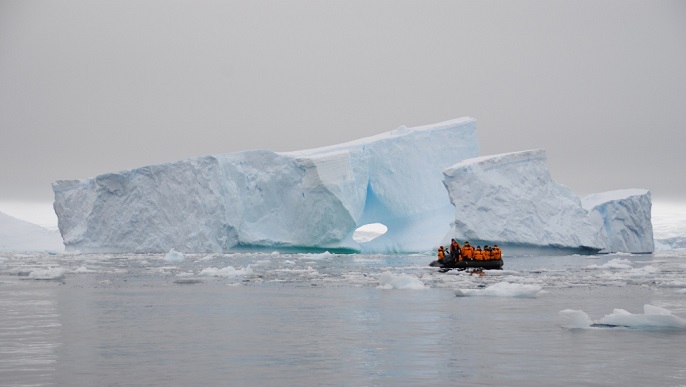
point(89, 87)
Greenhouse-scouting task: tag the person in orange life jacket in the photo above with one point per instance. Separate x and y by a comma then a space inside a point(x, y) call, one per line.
point(455, 252)
point(497, 253)
point(468, 251)
point(479, 254)
point(487, 253)
point(441, 253)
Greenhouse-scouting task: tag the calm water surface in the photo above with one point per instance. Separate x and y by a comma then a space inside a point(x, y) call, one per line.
point(277, 319)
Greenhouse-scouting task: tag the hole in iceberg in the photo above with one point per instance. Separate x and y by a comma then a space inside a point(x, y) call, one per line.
point(369, 232)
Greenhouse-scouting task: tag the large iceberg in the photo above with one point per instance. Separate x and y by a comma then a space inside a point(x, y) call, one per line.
point(307, 199)
point(511, 199)
point(317, 198)
point(626, 217)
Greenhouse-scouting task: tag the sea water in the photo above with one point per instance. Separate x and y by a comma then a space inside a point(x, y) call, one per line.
point(326, 319)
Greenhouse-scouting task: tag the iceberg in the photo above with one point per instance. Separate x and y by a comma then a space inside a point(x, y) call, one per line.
point(421, 183)
point(310, 199)
point(512, 200)
point(626, 217)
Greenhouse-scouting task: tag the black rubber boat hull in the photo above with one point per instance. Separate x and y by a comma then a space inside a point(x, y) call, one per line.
point(491, 264)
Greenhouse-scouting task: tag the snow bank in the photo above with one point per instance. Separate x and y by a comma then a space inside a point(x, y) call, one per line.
point(502, 289)
point(652, 317)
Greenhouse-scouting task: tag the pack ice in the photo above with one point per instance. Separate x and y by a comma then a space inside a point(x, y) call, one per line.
point(511, 199)
point(307, 199)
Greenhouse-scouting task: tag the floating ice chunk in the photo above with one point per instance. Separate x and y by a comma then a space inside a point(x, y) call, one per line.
point(652, 317)
point(503, 289)
point(616, 263)
point(206, 258)
point(174, 256)
point(228, 271)
point(82, 270)
point(643, 271)
point(388, 280)
point(51, 273)
point(576, 318)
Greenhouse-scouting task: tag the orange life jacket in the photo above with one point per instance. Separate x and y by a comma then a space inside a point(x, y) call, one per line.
point(468, 252)
point(479, 255)
point(497, 253)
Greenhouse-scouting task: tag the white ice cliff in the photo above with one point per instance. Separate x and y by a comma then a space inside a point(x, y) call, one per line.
point(317, 198)
point(512, 200)
point(307, 199)
point(626, 219)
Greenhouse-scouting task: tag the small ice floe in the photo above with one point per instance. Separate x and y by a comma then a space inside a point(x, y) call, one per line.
point(388, 280)
point(51, 273)
point(652, 317)
point(205, 258)
point(645, 271)
point(83, 270)
point(174, 256)
point(617, 264)
point(228, 271)
point(503, 289)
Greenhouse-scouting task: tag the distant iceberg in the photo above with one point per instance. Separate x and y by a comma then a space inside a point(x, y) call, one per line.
point(19, 235)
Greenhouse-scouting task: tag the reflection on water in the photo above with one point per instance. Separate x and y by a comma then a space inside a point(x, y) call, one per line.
point(29, 333)
point(278, 319)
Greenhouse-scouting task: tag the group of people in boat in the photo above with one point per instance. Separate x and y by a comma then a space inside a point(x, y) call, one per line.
point(466, 252)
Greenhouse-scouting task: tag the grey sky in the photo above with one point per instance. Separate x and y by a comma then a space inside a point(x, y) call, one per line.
point(88, 87)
